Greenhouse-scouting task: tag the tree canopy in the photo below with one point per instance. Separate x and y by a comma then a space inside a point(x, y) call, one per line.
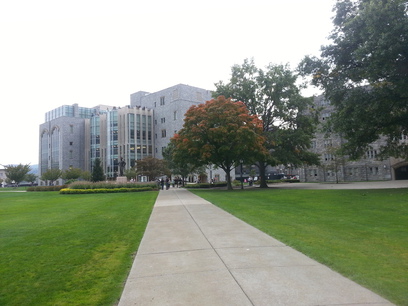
point(17, 173)
point(222, 133)
point(273, 94)
point(364, 74)
point(72, 174)
point(97, 174)
point(176, 162)
point(152, 167)
point(51, 175)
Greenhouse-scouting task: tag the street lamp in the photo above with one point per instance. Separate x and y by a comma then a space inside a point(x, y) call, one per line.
point(242, 181)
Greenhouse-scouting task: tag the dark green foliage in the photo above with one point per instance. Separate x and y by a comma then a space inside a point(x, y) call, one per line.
point(207, 185)
point(364, 74)
point(104, 190)
point(97, 171)
point(72, 174)
point(109, 185)
point(46, 188)
point(273, 95)
point(17, 173)
point(51, 175)
point(152, 168)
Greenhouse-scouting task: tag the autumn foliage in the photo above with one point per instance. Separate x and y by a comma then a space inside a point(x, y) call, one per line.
point(222, 133)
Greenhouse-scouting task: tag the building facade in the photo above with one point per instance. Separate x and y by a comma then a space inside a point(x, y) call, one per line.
point(335, 168)
point(62, 138)
point(170, 106)
point(73, 136)
point(119, 134)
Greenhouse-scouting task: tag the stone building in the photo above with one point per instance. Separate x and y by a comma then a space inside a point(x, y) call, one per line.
point(336, 168)
point(73, 136)
point(169, 106)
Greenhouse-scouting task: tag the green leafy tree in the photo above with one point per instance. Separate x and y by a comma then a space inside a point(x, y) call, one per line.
point(152, 168)
point(364, 74)
point(72, 174)
point(17, 173)
point(220, 133)
point(130, 173)
point(288, 120)
point(51, 175)
point(86, 175)
point(31, 178)
point(97, 171)
point(176, 162)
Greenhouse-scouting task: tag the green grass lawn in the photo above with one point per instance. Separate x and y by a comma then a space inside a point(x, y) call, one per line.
point(68, 249)
point(363, 234)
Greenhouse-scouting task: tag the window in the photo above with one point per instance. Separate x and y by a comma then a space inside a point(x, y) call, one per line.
point(71, 143)
point(328, 157)
point(175, 115)
point(327, 143)
point(71, 129)
point(371, 154)
point(162, 102)
point(71, 154)
point(163, 120)
point(163, 132)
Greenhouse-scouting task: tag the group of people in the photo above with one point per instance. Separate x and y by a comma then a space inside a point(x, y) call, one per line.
point(161, 183)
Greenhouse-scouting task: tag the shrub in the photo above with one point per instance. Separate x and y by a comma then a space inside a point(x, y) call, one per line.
point(47, 188)
point(206, 185)
point(103, 190)
point(109, 185)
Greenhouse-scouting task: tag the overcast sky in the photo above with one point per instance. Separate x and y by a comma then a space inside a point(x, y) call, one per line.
point(90, 52)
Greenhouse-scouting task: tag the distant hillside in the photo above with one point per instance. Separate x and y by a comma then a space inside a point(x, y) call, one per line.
point(34, 169)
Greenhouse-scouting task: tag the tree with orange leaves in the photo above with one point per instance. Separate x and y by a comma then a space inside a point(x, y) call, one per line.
point(222, 133)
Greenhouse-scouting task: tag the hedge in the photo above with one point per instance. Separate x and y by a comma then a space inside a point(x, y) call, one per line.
point(206, 185)
point(47, 188)
point(103, 190)
point(109, 185)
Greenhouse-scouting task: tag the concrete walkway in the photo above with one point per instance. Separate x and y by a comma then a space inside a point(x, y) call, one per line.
point(194, 253)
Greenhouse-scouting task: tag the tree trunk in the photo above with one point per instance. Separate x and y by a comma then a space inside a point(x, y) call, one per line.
point(262, 174)
point(229, 184)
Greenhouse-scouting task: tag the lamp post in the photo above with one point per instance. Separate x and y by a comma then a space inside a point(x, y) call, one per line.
point(242, 181)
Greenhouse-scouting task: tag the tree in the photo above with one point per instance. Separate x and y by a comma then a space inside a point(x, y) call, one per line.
point(97, 171)
point(17, 173)
point(30, 177)
point(273, 95)
point(130, 174)
point(222, 133)
point(72, 174)
point(364, 74)
point(86, 175)
point(152, 167)
point(51, 175)
point(176, 162)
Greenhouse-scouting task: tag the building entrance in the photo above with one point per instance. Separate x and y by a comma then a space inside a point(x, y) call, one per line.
point(401, 173)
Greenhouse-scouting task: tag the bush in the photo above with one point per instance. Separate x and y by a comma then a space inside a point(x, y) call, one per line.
point(109, 185)
point(47, 188)
point(206, 185)
point(103, 190)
